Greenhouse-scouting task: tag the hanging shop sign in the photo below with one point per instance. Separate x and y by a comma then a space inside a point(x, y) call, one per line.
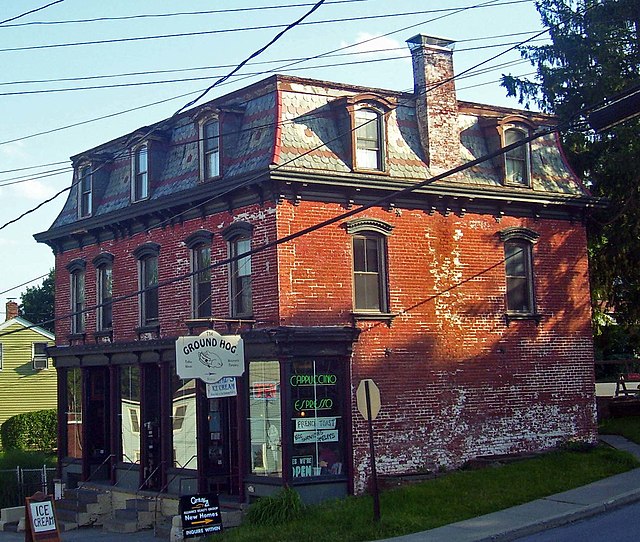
point(209, 356)
point(225, 387)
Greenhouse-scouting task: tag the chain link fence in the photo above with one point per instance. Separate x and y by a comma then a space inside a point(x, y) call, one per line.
point(17, 484)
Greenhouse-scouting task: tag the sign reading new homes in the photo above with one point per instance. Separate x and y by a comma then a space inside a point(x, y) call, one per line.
point(209, 356)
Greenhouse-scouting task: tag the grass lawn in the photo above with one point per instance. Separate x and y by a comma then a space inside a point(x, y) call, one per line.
point(453, 497)
point(628, 427)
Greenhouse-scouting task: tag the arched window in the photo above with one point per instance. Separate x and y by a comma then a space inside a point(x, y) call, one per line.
point(140, 174)
point(370, 288)
point(238, 237)
point(104, 288)
point(518, 253)
point(147, 256)
point(199, 244)
point(369, 141)
point(517, 167)
point(76, 270)
point(85, 191)
point(210, 148)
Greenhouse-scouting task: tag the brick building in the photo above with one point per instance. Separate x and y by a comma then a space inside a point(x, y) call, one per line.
point(465, 300)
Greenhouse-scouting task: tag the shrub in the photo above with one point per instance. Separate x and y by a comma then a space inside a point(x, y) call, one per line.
point(30, 431)
point(284, 506)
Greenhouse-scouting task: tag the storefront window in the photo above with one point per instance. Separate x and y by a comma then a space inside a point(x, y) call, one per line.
point(265, 418)
point(74, 413)
point(317, 423)
point(130, 413)
point(183, 416)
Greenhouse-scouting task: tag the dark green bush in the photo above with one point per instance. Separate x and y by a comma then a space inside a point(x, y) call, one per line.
point(284, 506)
point(30, 431)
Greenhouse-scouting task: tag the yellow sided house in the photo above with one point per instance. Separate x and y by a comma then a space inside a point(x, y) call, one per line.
point(27, 377)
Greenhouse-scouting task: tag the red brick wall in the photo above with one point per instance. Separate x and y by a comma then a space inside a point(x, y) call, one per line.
point(173, 261)
point(456, 381)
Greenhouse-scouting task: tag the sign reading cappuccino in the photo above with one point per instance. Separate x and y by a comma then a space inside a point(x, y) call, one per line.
point(209, 356)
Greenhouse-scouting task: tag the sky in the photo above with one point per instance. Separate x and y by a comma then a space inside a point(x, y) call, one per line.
point(63, 90)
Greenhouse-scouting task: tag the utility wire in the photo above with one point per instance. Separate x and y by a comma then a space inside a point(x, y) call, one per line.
point(24, 284)
point(30, 12)
point(223, 31)
point(182, 13)
point(190, 103)
point(379, 202)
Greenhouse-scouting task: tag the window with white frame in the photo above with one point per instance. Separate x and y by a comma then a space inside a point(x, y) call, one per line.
point(39, 355)
point(85, 191)
point(140, 173)
point(369, 243)
point(210, 148)
point(76, 270)
point(369, 140)
point(517, 160)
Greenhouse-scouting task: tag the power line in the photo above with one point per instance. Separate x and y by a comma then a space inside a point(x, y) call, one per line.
point(190, 103)
point(24, 284)
point(180, 13)
point(383, 200)
point(30, 12)
point(229, 30)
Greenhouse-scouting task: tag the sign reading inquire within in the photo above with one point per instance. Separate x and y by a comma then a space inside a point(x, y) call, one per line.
point(209, 356)
point(200, 515)
point(41, 524)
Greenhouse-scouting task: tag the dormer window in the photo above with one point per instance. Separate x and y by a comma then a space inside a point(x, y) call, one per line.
point(368, 120)
point(210, 148)
point(369, 140)
point(85, 191)
point(140, 173)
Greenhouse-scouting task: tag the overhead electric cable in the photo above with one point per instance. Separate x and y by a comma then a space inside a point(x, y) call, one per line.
point(24, 284)
point(30, 12)
point(217, 31)
point(190, 103)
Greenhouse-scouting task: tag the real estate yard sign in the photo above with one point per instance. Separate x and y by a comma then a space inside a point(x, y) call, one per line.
point(200, 515)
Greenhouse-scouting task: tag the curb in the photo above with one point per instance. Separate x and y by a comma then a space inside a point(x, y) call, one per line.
point(564, 519)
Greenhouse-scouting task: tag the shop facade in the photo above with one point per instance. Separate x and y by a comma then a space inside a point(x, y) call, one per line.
point(276, 214)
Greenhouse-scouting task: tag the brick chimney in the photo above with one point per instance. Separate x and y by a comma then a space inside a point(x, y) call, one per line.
point(436, 101)
point(12, 309)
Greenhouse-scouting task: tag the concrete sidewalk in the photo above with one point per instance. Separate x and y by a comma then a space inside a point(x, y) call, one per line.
point(543, 514)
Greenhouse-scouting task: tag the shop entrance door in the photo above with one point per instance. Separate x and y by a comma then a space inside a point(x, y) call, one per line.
point(219, 470)
point(97, 426)
point(151, 456)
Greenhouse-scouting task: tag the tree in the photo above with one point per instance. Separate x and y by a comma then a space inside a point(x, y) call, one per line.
point(594, 55)
point(36, 303)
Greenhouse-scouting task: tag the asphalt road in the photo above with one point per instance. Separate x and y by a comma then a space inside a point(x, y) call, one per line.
point(620, 525)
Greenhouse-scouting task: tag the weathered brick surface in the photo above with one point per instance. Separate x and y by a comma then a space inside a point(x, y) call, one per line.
point(456, 381)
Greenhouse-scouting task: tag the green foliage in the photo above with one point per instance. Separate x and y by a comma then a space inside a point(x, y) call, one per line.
point(594, 55)
point(36, 303)
point(628, 427)
point(30, 431)
point(453, 497)
point(282, 507)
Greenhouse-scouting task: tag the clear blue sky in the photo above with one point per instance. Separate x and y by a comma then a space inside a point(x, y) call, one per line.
point(227, 39)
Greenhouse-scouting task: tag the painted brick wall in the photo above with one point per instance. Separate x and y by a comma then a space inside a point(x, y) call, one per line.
point(456, 381)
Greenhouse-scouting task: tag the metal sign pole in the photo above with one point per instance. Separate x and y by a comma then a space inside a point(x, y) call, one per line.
point(374, 475)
